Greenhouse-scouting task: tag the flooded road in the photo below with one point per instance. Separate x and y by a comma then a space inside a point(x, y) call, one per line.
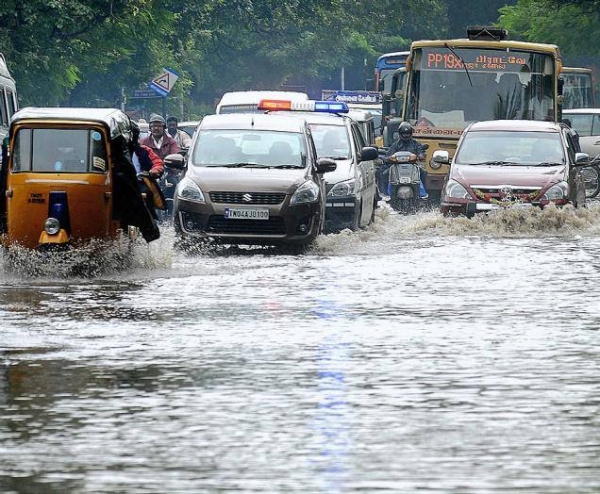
point(424, 354)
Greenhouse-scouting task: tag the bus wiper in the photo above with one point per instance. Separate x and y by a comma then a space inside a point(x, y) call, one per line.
point(461, 59)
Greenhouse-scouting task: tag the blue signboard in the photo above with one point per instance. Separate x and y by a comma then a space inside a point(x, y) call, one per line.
point(365, 97)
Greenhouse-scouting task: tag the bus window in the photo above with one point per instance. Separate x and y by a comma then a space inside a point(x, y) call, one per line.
point(4, 118)
point(12, 102)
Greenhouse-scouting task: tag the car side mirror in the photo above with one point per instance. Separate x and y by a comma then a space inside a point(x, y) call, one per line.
point(368, 153)
point(582, 159)
point(441, 157)
point(175, 161)
point(326, 165)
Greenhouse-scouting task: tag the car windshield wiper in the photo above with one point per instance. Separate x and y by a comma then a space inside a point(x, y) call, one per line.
point(288, 166)
point(494, 162)
point(549, 163)
point(245, 164)
point(336, 157)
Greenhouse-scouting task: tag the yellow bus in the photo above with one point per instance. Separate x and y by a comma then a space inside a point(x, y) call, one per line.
point(452, 83)
point(578, 88)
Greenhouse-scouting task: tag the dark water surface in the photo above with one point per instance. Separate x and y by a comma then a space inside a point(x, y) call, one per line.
point(425, 354)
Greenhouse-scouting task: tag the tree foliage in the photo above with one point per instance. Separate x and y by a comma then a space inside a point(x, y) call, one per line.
point(85, 52)
point(574, 25)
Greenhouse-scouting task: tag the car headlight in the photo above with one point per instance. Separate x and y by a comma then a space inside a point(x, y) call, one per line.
point(188, 190)
point(345, 188)
point(557, 192)
point(454, 189)
point(307, 192)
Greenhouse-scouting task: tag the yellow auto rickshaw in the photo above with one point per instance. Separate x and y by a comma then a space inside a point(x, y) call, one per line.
point(67, 178)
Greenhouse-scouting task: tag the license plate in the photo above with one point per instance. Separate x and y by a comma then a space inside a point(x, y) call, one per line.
point(246, 214)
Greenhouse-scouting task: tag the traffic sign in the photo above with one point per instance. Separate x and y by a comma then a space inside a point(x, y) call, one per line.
point(163, 84)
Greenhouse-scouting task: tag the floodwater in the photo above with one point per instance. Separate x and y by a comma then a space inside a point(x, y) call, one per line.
point(425, 354)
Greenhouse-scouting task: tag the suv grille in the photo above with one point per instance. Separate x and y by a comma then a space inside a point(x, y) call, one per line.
point(247, 197)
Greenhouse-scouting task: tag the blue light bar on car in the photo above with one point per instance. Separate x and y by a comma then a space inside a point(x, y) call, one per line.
point(331, 106)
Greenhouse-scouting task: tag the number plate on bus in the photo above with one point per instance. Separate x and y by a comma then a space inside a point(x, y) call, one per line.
point(247, 213)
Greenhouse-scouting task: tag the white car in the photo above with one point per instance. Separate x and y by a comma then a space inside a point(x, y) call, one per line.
point(586, 122)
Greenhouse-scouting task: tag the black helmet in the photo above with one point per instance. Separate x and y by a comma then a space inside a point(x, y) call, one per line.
point(405, 131)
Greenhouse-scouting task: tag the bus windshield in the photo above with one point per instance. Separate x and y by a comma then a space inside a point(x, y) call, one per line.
point(386, 65)
point(452, 87)
point(578, 89)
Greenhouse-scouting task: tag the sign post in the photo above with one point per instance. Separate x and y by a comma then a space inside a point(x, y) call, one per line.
point(163, 84)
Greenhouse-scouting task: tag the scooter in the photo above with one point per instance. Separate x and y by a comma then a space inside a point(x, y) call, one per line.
point(174, 172)
point(404, 182)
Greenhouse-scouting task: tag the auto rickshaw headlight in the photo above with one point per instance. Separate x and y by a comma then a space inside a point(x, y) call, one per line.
point(52, 226)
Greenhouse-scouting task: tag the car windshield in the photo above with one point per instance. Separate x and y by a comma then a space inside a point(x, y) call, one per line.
point(260, 148)
point(331, 141)
point(586, 124)
point(504, 148)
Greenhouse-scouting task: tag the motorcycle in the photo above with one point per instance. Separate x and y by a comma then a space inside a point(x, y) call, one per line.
point(591, 176)
point(404, 181)
point(174, 172)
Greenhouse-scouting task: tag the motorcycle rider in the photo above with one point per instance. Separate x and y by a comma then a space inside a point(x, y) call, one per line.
point(158, 140)
point(406, 142)
point(143, 157)
point(181, 137)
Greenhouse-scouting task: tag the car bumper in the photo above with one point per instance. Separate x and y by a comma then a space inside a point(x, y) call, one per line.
point(473, 207)
point(298, 224)
point(340, 212)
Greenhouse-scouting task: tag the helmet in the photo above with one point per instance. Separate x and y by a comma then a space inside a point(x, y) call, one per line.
point(157, 119)
point(405, 131)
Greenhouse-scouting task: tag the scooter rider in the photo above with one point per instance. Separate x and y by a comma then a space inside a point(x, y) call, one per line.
point(405, 142)
point(158, 140)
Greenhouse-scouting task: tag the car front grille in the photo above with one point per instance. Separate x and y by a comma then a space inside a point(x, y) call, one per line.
point(273, 226)
point(514, 194)
point(247, 197)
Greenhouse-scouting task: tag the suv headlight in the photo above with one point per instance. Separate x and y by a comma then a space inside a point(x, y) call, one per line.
point(454, 189)
point(306, 193)
point(188, 190)
point(557, 192)
point(345, 188)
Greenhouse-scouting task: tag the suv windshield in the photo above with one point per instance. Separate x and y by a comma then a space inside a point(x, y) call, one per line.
point(223, 147)
point(510, 148)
